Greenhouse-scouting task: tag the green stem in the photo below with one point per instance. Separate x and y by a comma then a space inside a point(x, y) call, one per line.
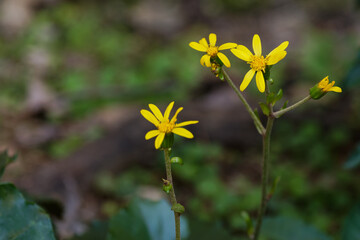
point(172, 192)
point(295, 105)
point(265, 165)
point(257, 121)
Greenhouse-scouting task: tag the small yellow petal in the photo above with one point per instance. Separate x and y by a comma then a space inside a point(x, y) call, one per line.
point(174, 118)
point(168, 110)
point(203, 60)
point(227, 46)
point(198, 46)
point(257, 45)
point(323, 83)
point(242, 52)
point(156, 112)
point(212, 39)
point(151, 134)
point(279, 48)
point(204, 42)
point(186, 123)
point(260, 82)
point(207, 60)
point(150, 117)
point(183, 132)
point(275, 58)
point(224, 59)
point(159, 139)
point(248, 76)
point(335, 89)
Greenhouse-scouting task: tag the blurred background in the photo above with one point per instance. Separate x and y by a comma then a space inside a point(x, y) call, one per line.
point(75, 73)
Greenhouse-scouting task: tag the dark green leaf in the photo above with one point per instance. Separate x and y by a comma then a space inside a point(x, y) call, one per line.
point(145, 220)
point(270, 98)
point(265, 108)
point(351, 228)
point(285, 104)
point(5, 159)
point(354, 159)
point(283, 228)
point(21, 219)
point(279, 95)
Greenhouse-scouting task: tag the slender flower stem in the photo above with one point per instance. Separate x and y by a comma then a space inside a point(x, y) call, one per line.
point(281, 112)
point(172, 192)
point(265, 175)
point(257, 122)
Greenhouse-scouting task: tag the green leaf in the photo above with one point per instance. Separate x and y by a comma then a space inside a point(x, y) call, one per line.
point(278, 96)
point(270, 98)
point(177, 160)
point(265, 108)
point(351, 228)
point(284, 228)
point(5, 159)
point(145, 220)
point(354, 159)
point(285, 104)
point(21, 219)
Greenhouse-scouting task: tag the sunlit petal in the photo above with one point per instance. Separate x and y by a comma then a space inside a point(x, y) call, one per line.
point(275, 58)
point(242, 52)
point(212, 39)
point(257, 45)
point(248, 76)
point(186, 123)
point(183, 132)
point(335, 89)
point(168, 110)
point(151, 134)
point(204, 42)
point(224, 59)
point(279, 48)
point(207, 60)
point(159, 139)
point(150, 117)
point(174, 118)
point(260, 82)
point(198, 46)
point(227, 46)
point(156, 112)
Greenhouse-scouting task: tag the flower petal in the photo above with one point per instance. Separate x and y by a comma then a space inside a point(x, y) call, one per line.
point(183, 132)
point(150, 117)
point(186, 123)
point(174, 118)
point(207, 60)
point(242, 52)
point(280, 48)
point(212, 39)
point(323, 83)
point(227, 46)
point(248, 76)
point(151, 134)
point(204, 42)
point(257, 45)
point(168, 110)
point(156, 112)
point(275, 58)
point(260, 82)
point(159, 139)
point(224, 59)
point(335, 89)
point(198, 46)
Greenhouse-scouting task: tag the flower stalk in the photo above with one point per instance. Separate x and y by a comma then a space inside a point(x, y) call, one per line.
point(277, 114)
point(172, 192)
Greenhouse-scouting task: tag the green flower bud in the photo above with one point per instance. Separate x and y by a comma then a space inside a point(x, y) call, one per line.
point(178, 208)
point(177, 160)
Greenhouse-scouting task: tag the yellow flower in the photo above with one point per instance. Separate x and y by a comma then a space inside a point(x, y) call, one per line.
point(212, 51)
point(257, 62)
point(164, 125)
point(323, 87)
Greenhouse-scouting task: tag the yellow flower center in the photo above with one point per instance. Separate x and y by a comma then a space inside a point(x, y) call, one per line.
point(212, 51)
point(166, 126)
point(258, 63)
